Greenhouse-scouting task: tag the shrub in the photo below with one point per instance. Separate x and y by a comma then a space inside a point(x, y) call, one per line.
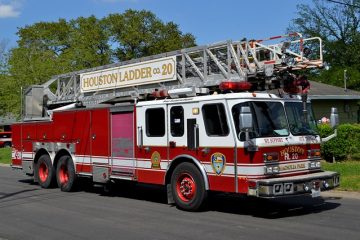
point(343, 147)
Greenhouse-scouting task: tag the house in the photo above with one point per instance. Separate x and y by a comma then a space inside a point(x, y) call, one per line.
point(6, 121)
point(323, 97)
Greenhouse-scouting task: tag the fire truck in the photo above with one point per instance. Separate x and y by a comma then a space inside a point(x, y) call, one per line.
point(227, 117)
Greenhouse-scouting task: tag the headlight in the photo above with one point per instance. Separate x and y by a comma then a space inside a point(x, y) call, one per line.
point(272, 170)
point(314, 164)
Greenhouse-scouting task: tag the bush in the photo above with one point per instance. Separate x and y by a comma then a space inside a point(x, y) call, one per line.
point(345, 146)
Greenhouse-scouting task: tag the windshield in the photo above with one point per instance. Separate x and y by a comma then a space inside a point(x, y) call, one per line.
point(269, 119)
point(297, 122)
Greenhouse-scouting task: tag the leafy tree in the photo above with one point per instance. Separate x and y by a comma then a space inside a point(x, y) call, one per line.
point(50, 48)
point(137, 34)
point(4, 55)
point(338, 25)
point(6, 96)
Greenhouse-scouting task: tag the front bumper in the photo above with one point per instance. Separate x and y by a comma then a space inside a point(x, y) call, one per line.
point(296, 185)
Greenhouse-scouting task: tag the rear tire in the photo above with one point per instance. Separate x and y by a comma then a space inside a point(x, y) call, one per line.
point(188, 187)
point(7, 145)
point(45, 171)
point(65, 174)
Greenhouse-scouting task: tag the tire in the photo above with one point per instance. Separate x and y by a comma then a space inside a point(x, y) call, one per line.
point(7, 145)
point(65, 174)
point(188, 187)
point(45, 172)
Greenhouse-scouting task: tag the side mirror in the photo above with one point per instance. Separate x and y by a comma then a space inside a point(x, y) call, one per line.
point(334, 117)
point(245, 119)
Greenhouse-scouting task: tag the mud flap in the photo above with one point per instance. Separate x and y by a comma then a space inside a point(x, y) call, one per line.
point(170, 198)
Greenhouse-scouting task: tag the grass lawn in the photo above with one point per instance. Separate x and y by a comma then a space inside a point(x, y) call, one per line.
point(5, 155)
point(349, 174)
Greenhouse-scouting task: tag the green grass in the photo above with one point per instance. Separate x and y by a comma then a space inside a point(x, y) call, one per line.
point(5, 155)
point(349, 174)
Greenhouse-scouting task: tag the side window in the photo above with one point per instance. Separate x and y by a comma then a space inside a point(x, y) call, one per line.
point(215, 120)
point(155, 122)
point(177, 121)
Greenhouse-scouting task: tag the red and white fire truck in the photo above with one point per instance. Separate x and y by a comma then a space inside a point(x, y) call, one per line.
point(229, 117)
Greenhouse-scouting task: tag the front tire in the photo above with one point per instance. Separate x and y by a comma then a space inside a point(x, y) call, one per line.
point(188, 187)
point(45, 171)
point(65, 174)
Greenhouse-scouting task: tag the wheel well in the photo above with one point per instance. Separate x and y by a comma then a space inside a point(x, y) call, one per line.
point(59, 154)
point(183, 159)
point(39, 153)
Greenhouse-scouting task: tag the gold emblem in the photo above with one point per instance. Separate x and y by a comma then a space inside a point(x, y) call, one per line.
point(155, 160)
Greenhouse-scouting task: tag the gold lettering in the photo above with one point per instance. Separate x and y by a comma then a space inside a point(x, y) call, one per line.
point(126, 77)
point(148, 72)
point(131, 75)
point(86, 83)
point(114, 77)
point(137, 74)
point(100, 80)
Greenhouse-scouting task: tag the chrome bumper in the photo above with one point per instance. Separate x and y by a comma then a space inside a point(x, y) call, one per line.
point(296, 185)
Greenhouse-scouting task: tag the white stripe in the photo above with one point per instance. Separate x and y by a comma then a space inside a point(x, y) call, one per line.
point(164, 165)
point(123, 163)
point(27, 155)
point(100, 160)
point(256, 170)
point(122, 158)
point(5, 140)
point(143, 164)
point(82, 159)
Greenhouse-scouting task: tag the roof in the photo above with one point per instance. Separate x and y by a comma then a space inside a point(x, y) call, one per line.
point(7, 120)
point(228, 96)
point(324, 91)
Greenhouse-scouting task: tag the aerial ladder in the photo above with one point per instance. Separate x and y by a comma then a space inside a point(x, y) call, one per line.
point(257, 65)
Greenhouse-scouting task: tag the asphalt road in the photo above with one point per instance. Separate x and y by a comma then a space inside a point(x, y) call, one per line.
point(141, 212)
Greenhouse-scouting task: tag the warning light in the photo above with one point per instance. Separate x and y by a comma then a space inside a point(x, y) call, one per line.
point(235, 86)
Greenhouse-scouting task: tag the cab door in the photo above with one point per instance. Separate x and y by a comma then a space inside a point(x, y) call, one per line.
point(202, 130)
point(152, 143)
point(217, 145)
point(183, 134)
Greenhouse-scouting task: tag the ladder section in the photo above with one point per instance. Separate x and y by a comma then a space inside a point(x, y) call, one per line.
point(259, 62)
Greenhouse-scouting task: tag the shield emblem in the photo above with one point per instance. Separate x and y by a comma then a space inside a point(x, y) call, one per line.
point(218, 163)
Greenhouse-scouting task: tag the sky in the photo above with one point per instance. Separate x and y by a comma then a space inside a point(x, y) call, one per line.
point(209, 21)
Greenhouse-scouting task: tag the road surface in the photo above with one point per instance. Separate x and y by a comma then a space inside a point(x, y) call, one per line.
point(141, 212)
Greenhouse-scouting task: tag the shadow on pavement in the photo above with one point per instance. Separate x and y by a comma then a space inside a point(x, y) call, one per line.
point(4, 195)
point(269, 208)
point(218, 202)
point(226, 203)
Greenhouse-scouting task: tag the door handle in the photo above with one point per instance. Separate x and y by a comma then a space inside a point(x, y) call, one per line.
point(205, 151)
point(147, 149)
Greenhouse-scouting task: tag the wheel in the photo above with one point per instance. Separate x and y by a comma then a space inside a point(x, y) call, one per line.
point(65, 174)
point(45, 171)
point(188, 187)
point(7, 145)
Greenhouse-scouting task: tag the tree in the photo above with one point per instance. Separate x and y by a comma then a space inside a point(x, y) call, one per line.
point(4, 55)
point(7, 97)
point(338, 25)
point(137, 34)
point(50, 48)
